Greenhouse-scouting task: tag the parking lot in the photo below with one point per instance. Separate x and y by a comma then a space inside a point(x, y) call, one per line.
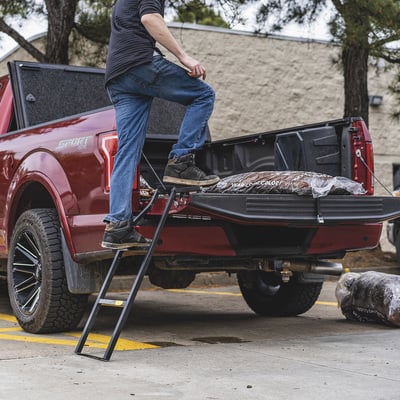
point(205, 343)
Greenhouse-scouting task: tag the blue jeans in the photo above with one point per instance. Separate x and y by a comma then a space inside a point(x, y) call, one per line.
point(131, 94)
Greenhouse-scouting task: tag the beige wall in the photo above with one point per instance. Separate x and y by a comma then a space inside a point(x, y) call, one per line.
point(265, 83)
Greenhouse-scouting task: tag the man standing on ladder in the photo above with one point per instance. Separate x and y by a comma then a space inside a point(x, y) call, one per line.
point(136, 72)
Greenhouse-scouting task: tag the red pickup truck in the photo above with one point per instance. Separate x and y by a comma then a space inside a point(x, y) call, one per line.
point(57, 144)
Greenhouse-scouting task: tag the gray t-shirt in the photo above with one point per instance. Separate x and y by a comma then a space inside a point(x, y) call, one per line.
point(130, 43)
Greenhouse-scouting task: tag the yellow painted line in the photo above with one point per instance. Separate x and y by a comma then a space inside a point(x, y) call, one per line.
point(204, 292)
point(327, 303)
point(122, 344)
point(322, 303)
point(37, 339)
point(8, 318)
point(15, 329)
point(94, 340)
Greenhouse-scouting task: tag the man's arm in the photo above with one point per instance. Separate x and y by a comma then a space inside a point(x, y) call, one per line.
point(155, 25)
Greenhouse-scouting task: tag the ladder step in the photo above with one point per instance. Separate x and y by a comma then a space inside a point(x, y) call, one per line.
point(112, 302)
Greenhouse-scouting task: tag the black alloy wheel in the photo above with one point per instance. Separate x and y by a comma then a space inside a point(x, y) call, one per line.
point(37, 283)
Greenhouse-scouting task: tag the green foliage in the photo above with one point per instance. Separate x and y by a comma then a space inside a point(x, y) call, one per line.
point(275, 14)
point(375, 23)
point(198, 12)
point(93, 19)
point(13, 8)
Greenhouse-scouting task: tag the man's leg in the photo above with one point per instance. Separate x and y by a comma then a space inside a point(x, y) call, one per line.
point(131, 113)
point(174, 84)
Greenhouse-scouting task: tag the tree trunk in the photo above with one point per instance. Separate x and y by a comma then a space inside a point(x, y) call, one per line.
point(61, 15)
point(355, 52)
point(32, 50)
point(355, 65)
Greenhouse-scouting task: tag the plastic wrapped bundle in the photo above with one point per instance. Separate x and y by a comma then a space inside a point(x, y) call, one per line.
point(287, 182)
point(370, 297)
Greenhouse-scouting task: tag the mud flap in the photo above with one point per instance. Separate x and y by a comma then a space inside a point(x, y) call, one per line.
point(82, 278)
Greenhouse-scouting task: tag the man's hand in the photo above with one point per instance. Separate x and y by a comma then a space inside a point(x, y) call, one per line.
point(155, 25)
point(196, 69)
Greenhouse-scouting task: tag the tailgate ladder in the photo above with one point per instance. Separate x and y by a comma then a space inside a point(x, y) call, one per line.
point(124, 305)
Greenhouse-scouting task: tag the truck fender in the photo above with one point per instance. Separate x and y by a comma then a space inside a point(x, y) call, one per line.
point(54, 180)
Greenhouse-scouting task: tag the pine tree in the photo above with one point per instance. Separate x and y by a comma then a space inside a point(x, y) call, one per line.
point(197, 12)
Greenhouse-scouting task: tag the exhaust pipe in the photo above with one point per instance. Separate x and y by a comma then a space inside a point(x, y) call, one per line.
point(327, 268)
point(322, 267)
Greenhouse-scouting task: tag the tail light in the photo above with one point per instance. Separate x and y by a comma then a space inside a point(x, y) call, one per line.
point(108, 149)
point(362, 156)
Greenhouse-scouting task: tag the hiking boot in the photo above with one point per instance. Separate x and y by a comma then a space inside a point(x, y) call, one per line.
point(183, 171)
point(121, 235)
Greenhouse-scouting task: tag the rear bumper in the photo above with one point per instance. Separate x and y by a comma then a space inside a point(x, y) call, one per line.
point(215, 239)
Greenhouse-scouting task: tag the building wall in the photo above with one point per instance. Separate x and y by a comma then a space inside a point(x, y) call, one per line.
point(265, 83)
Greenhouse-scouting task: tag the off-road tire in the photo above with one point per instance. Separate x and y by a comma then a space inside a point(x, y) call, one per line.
point(37, 283)
point(266, 295)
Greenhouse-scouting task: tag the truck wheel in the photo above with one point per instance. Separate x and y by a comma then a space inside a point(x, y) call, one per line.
point(37, 283)
point(266, 295)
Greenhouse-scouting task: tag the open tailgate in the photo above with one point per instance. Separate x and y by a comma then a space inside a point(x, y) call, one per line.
point(292, 208)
